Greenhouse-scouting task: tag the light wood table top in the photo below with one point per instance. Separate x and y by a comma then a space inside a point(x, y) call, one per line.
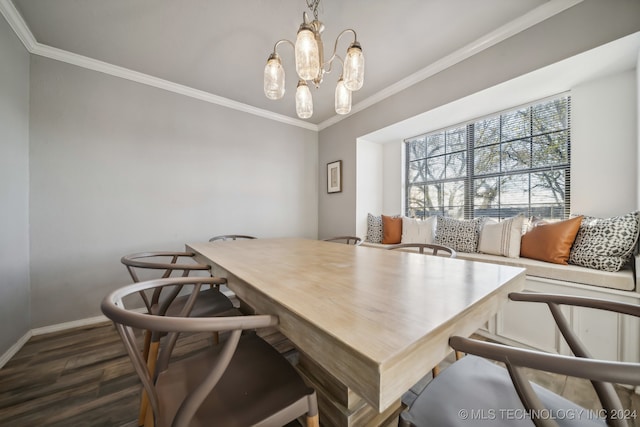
point(377, 320)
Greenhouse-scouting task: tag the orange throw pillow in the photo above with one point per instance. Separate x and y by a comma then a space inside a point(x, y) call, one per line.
point(391, 229)
point(551, 242)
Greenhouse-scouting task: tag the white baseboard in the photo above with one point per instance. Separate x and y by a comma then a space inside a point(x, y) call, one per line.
point(14, 349)
point(69, 325)
point(45, 330)
point(77, 323)
point(52, 328)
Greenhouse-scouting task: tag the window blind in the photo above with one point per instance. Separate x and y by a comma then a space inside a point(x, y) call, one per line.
point(512, 162)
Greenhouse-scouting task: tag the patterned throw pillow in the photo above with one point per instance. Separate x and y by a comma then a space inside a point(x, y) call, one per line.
point(605, 243)
point(374, 228)
point(460, 235)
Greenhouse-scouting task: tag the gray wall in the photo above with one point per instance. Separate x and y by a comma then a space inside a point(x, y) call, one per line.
point(580, 28)
point(14, 188)
point(119, 167)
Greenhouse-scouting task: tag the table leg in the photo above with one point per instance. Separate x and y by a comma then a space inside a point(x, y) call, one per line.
point(340, 406)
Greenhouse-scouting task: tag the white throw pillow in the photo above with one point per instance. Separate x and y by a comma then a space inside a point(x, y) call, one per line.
point(502, 238)
point(417, 230)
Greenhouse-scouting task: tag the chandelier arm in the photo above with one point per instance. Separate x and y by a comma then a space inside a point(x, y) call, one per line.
point(330, 64)
point(279, 42)
point(335, 49)
point(355, 36)
point(335, 46)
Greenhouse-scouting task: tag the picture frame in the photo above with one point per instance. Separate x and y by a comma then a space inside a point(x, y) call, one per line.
point(334, 177)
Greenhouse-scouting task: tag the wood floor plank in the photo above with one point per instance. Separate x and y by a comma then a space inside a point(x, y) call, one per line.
point(58, 388)
point(43, 405)
point(117, 414)
point(38, 376)
point(118, 368)
point(87, 407)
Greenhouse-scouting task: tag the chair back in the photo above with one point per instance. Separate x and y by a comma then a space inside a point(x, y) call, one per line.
point(226, 237)
point(349, 240)
point(241, 381)
point(161, 265)
point(426, 248)
point(128, 322)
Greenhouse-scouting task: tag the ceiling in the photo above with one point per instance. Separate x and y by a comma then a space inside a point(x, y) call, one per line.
point(218, 49)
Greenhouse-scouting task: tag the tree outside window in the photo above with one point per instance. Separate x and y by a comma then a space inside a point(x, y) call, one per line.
point(515, 162)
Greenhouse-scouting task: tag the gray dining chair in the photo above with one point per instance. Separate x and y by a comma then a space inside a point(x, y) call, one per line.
point(349, 240)
point(243, 381)
point(167, 264)
point(225, 237)
point(474, 388)
point(170, 302)
point(426, 248)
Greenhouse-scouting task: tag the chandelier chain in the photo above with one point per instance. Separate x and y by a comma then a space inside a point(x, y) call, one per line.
point(313, 6)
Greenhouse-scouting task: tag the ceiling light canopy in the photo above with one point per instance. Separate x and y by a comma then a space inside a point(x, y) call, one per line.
point(311, 66)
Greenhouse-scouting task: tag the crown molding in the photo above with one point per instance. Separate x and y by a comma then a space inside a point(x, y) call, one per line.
point(537, 15)
point(146, 79)
point(16, 23)
point(19, 26)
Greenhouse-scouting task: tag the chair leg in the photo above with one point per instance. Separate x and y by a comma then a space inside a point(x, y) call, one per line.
point(313, 421)
point(144, 406)
point(435, 371)
point(147, 343)
point(148, 422)
point(459, 355)
point(152, 358)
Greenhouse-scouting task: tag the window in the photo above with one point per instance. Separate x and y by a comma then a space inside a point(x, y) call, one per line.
point(497, 166)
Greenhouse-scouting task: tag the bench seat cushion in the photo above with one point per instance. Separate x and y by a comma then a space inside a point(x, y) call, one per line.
point(622, 280)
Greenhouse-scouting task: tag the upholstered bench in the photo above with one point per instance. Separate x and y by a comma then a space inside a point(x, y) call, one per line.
point(624, 280)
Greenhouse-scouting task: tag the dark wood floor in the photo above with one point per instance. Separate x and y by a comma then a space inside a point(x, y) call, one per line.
point(83, 377)
point(80, 377)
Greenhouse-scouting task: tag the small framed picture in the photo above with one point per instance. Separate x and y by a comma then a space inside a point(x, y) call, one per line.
point(334, 177)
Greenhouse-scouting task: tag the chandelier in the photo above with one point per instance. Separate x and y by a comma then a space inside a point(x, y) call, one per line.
point(311, 66)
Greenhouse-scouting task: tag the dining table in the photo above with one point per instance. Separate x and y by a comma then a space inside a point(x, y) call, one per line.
point(368, 323)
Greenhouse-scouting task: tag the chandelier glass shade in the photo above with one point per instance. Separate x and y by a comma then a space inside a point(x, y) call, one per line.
point(311, 66)
point(343, 98)
point(304, 103)
point(274, 78)
point(354, 68)
point(307, 54)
